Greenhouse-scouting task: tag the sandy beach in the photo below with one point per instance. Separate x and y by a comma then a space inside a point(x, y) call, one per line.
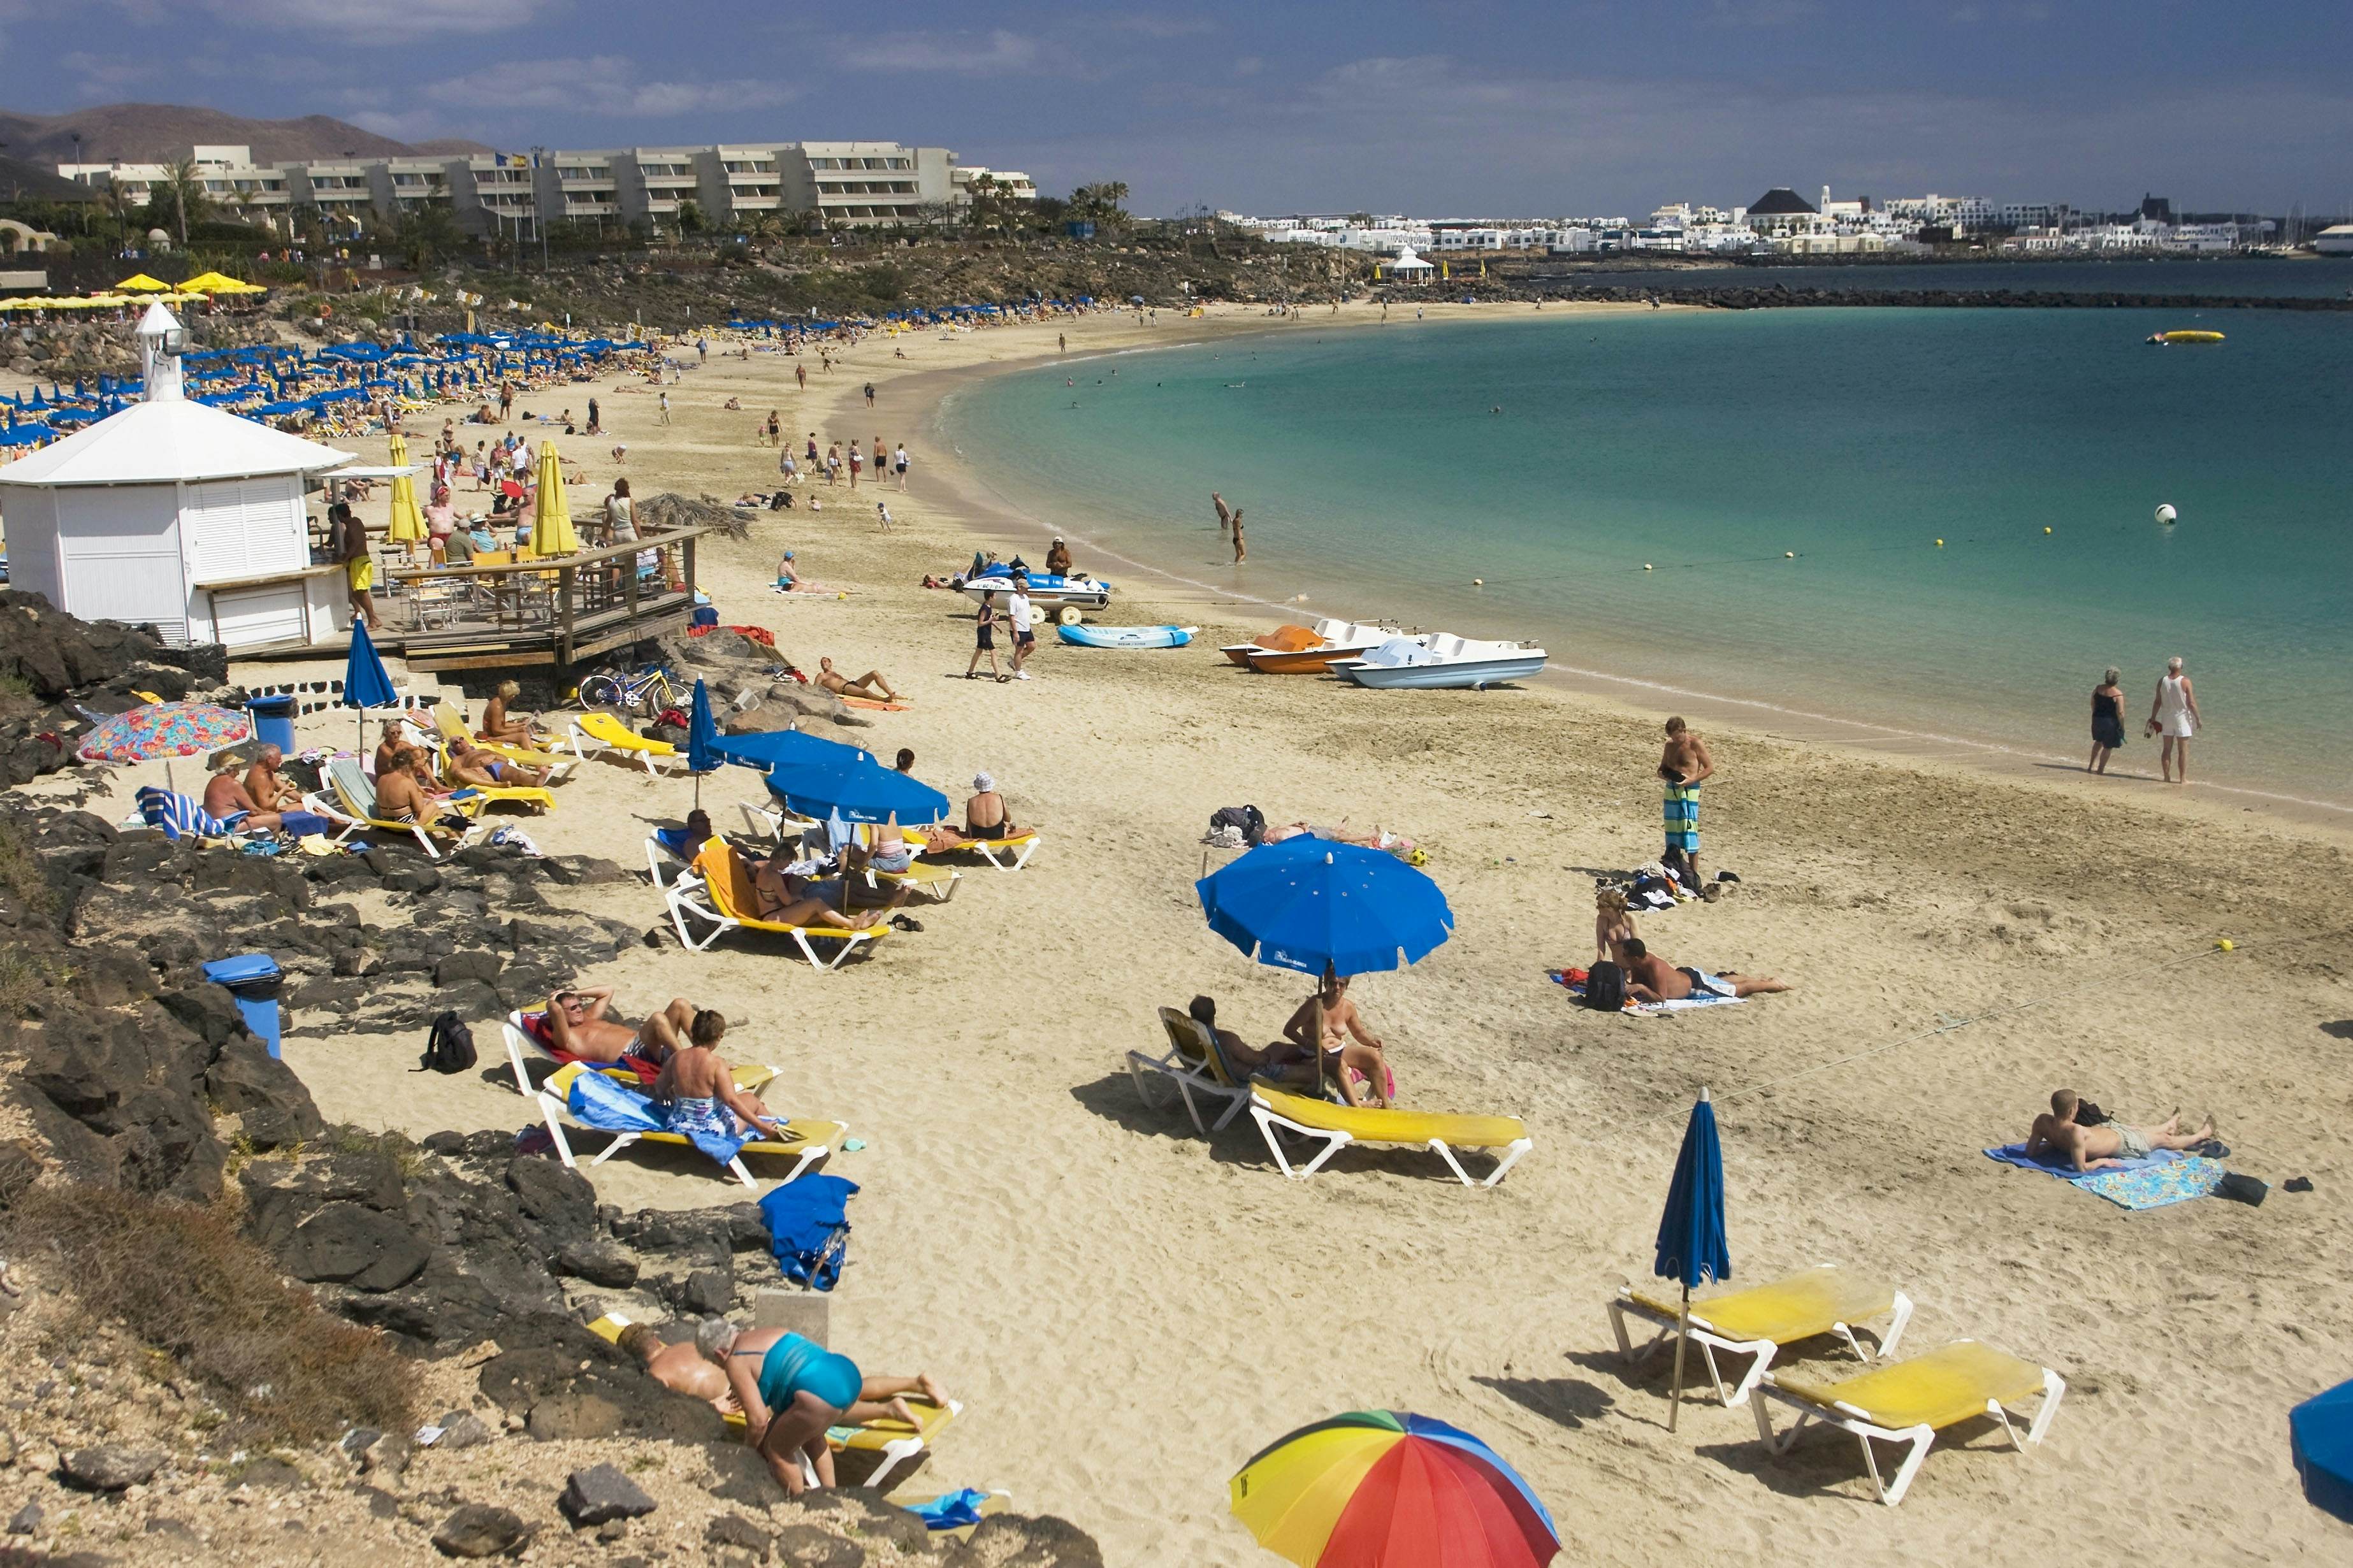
point(1129, 1310)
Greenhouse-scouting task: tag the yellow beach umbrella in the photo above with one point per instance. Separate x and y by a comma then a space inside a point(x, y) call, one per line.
point(140, 284)
point(408, 522)
point(551, 519)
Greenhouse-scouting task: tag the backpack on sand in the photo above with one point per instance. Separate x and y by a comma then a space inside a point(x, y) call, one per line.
point(1605, 988)
point(449, 1048)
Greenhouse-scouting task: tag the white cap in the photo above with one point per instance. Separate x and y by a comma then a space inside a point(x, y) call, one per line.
point(982, 784)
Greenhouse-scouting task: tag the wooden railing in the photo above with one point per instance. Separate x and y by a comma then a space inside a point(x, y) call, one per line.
point(510, 607)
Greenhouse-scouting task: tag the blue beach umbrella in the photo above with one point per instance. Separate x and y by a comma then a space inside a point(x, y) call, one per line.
point(858, 789)
point(701, 740)
point(771, 747)
point(2320, 1436)
point(365, 683)
point(1311, 904)
point(1692, 1247)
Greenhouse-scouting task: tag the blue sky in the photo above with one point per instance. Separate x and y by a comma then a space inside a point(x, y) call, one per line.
point(1484, 107)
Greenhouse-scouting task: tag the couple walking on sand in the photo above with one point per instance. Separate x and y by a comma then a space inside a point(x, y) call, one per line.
point(2172, 714)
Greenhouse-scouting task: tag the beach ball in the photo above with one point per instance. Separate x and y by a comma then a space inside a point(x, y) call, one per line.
point(2165, 512)
point(2046, 531)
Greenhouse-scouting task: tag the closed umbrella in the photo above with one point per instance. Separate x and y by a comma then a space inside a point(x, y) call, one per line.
point(551, 520)
point(367, 684)
point(1314, 905)
point(1692, 1247)
point(701, 740)
point(1386, 1489)
point(2320, 1437)
point(408, 522)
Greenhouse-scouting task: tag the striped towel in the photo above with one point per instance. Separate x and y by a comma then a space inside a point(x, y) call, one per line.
point(1681, 811)
point(181, 817)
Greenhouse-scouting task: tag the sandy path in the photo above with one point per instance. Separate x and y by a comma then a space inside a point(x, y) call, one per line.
point(1130, 1309)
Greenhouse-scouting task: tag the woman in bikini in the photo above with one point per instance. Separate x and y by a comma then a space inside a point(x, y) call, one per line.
point(1613, 923)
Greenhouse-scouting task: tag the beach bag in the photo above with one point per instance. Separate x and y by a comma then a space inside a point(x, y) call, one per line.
point(1605, 987)
point(1246, 820)
point(449, 1048)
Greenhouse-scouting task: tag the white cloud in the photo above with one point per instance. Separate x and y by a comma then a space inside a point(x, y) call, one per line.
point(600, 84)
point(1249, 64)
point(1000, 53)
point(1155, 26)
point(360, 19)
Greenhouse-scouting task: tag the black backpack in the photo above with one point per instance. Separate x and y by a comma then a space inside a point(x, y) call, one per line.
point(1605, 987)
point(449, 1048)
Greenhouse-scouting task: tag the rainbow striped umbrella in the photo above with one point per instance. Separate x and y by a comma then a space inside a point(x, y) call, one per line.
point(164, 729)
point(1375, 1487)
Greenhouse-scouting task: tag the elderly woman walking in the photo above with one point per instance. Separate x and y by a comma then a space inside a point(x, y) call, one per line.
point(2108, 721)
point(2174, 715)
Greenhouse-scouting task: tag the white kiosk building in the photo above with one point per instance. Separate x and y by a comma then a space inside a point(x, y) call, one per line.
point(176, 514)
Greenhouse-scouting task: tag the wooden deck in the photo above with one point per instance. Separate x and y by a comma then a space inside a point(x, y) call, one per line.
point(548, 613)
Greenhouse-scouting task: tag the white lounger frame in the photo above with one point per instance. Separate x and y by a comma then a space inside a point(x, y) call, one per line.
point(558, 1116)
point(771, 821)
point(1710, 1342)
point(1921, 1439)
point(682, 898)
point(1190, 1080)
point(321, 804)
point(1268, 1120)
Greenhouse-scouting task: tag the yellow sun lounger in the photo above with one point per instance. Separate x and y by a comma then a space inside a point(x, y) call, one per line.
point(1191, 1062)
point(595, 732)
point(717, 891)
point(449, 719)
point(355, 807)
point(936, 882)
point(1910, 1402)
point(803, 1140)
point(1759, 1321)
point(998, 852)
point(1340, 1125)
point(475, 798)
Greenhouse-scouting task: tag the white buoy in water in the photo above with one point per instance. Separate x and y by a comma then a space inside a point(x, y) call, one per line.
point(2165, 512)
point(1478, 582)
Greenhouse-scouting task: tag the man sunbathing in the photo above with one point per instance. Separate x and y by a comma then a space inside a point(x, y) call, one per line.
point(1650, 978)
point(575, 1023)
point(1283, 1062)
point(699, 1088)
point(225, 798)
point(869, 686)
point(1328, 1021)
point(269, 789)
point(2111, 1143)
point(469, 763)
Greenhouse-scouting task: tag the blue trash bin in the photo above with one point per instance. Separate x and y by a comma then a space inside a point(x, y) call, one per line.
point(253, 978)
point(273, 722)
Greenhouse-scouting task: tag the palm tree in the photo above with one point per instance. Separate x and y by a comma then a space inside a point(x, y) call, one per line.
point(119, 209)
point(184, 187)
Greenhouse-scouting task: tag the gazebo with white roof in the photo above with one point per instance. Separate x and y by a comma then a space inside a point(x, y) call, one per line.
point(177, 514)
point(1407, 265)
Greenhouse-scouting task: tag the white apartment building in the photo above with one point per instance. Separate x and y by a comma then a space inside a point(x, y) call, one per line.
point(1010, 185)
point(652, 181)
point(864, 183)
point(405, 185)
point(578, 187)
point(495, 192)
point(343, 192)
point(742, 181)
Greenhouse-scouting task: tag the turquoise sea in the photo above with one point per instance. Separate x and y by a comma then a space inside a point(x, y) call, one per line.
point(1748, 505)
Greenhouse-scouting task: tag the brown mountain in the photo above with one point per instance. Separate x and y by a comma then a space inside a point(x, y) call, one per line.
point(20, 180)
point(164, 132)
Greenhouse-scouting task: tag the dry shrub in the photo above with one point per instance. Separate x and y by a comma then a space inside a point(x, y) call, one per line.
point(182, 1279)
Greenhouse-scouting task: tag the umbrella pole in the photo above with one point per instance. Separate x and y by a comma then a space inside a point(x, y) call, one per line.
point(1683, 1337)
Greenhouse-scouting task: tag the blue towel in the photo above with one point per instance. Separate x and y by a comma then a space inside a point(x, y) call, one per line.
point(951, 1510)
point(808, 1228)
point(2162, 1177)
point(2059, 1166)
point(595, 1100)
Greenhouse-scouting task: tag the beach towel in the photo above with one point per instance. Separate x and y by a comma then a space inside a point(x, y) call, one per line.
point(595, 1100)
point(951, 1510)
point(1680, 810)
point(808, 1228)
point(1645, 1009)
point(2164, 1176)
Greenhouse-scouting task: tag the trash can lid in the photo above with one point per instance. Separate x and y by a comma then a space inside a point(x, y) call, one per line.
point(278, 706)
point(244, 967)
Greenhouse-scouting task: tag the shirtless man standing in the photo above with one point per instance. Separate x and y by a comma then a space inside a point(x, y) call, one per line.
point(1650, 978)
point(2108, 1144)
point(1684, 765)
point(576, 1024)
point(870, 685)
point(1329, 1022)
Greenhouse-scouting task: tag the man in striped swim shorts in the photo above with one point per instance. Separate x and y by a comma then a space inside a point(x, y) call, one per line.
point(1684, 766)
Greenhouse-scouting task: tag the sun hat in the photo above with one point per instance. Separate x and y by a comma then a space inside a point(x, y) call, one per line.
point(984, 784)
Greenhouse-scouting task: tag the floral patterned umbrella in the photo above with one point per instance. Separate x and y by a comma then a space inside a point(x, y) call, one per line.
point(165, 730)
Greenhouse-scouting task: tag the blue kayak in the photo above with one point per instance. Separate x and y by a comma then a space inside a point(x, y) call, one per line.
point(1126, 637)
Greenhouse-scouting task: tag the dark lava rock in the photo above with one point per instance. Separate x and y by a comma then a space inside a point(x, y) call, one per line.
point(596, 1495)
point(1043, 1541)
point(346, 1244)
point(478, 1529)
point(463, 1429)
point(246, 1078)
point(274, 1473)
point(110, 1467)
point(558, 1198)
point(598, 1262)
point(735, 1529)
point(806, 1546)
point(867, 1511)
point(27, 1518)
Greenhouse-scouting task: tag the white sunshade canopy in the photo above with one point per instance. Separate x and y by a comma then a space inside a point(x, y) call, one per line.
point(1406, 262)
point(372, 471)
point(170, 442)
